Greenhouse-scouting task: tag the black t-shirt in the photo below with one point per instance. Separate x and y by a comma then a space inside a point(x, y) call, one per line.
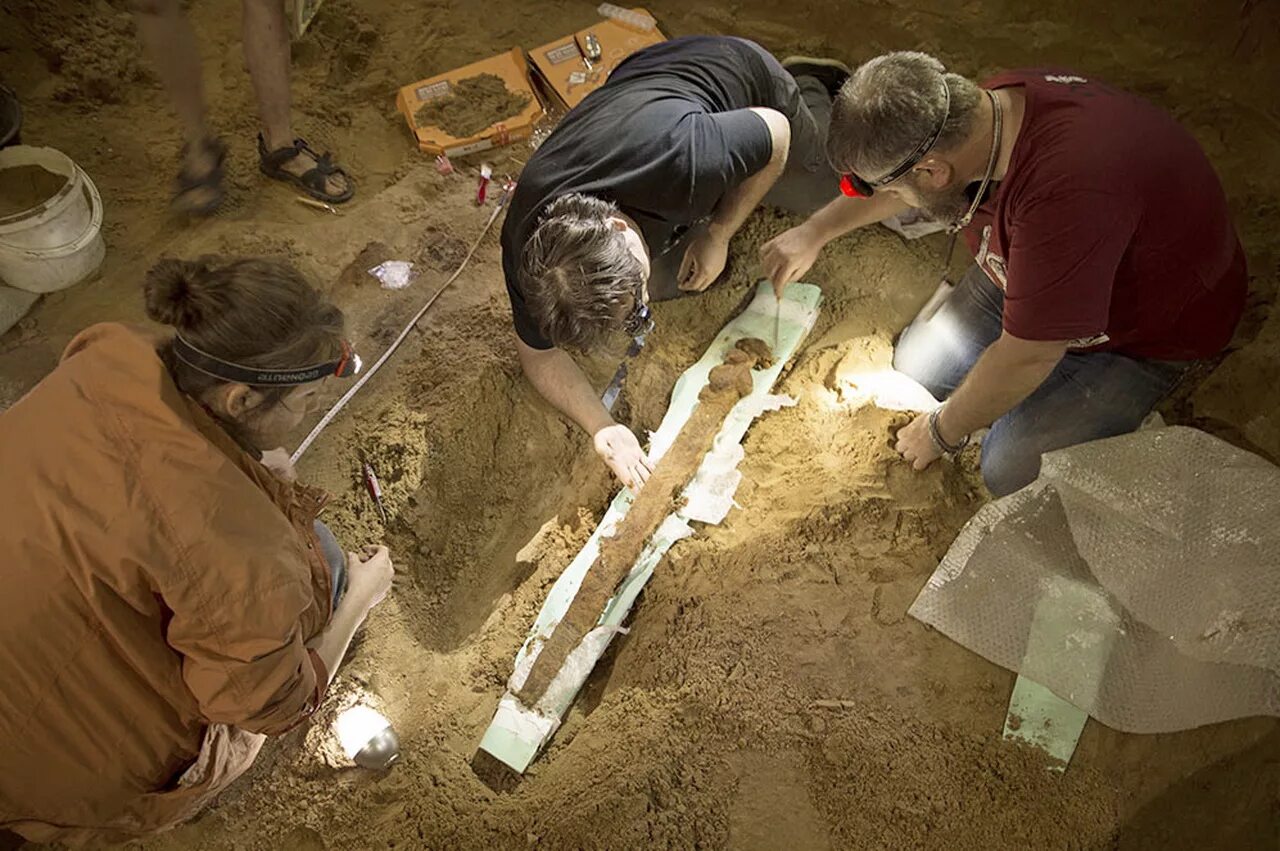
point(665, 138)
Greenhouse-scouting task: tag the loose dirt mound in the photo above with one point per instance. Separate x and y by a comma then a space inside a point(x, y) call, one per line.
point(474, 104)
point(90, 46)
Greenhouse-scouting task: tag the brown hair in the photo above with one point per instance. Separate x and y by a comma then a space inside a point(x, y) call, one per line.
point(578, 276)
point(890, 104)
point(251, 311)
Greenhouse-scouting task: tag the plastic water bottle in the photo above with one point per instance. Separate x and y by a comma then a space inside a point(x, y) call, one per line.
point(626, 17)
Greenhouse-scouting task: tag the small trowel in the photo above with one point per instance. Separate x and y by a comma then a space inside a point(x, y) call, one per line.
point(612, 391)
point(777, 314)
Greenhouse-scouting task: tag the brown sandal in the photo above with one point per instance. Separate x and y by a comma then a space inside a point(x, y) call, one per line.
point(189, 186)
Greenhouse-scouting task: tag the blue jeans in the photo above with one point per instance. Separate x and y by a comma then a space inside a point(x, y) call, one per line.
point(337, 560)
point(1088, 396)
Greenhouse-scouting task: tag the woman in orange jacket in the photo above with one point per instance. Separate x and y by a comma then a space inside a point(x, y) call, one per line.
point(169, 599)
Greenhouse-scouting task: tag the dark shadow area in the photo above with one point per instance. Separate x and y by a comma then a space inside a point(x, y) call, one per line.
point(1232, 804)
point(596, 685)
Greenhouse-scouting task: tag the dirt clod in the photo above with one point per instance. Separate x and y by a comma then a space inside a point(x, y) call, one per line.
point(758, 349)
point(356, 273)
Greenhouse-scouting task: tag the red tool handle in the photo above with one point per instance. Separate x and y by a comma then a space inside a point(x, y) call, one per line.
point(371, 483)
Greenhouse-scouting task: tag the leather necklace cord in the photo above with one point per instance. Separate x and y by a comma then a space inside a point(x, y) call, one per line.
point(997, 127)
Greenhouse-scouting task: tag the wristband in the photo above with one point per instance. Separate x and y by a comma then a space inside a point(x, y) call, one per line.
point(945, 448)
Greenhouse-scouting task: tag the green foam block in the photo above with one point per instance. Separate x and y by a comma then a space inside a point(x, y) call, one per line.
point(1060, 636)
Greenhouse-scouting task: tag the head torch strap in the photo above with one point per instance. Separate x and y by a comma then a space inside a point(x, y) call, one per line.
point(850, 183)
point(215, 367)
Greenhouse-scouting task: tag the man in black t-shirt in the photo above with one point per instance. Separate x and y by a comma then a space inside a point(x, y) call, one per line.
point(636, 194)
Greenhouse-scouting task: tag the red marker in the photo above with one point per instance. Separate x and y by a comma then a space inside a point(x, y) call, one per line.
point(375, 489)
point(486, 172)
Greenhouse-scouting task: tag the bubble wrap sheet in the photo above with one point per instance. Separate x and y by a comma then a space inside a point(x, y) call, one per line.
point(1138, 578)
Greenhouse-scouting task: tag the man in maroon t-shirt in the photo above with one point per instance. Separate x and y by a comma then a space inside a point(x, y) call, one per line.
point(1106, 262)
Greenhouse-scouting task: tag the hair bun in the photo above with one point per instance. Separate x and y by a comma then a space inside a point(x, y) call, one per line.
point(177, 292)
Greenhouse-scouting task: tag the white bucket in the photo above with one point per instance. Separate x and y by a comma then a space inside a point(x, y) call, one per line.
point(58, 242)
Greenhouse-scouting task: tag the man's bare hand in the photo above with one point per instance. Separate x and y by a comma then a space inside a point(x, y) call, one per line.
point(621, 451)
point(704, 260)
point(788, 256)
point(916, 445)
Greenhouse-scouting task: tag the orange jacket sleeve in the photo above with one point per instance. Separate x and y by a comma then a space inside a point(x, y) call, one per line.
point(238, 584)
point(245, 661)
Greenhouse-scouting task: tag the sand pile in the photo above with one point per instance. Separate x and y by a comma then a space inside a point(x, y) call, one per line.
point(95, 54)
point(473, 104)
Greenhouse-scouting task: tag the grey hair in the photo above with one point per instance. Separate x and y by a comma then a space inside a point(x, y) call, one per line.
point(890, 104)
point(577, 274)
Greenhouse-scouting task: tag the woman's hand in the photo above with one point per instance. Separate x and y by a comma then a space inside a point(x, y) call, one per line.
point(279, 462)
point(369, 576)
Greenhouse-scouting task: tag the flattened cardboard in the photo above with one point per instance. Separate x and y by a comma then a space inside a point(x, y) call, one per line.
point(558, 64)
point(512, 67)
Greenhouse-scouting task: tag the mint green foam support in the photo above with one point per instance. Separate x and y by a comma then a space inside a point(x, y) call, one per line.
point(1061, 633)
point(1043, 720)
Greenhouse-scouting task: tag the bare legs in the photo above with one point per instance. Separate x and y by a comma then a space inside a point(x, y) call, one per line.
point(171, 44)
point(167, 36)
point(266, 53)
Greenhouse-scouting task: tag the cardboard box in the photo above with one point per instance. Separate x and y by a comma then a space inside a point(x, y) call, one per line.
point(512, 67)
point(557, 64)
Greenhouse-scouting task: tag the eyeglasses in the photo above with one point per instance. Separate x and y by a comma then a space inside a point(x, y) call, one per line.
point(852, 186)
point(640, 322)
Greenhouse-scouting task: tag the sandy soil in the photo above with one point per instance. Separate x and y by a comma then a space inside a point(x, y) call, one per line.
point(474, 104)
point(771, 692)
point(26, 186)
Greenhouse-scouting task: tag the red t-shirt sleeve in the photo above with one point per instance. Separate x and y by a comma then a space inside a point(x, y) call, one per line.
point(1064, 249)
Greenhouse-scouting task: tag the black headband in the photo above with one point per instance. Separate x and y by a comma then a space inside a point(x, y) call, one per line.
point(344, 367)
